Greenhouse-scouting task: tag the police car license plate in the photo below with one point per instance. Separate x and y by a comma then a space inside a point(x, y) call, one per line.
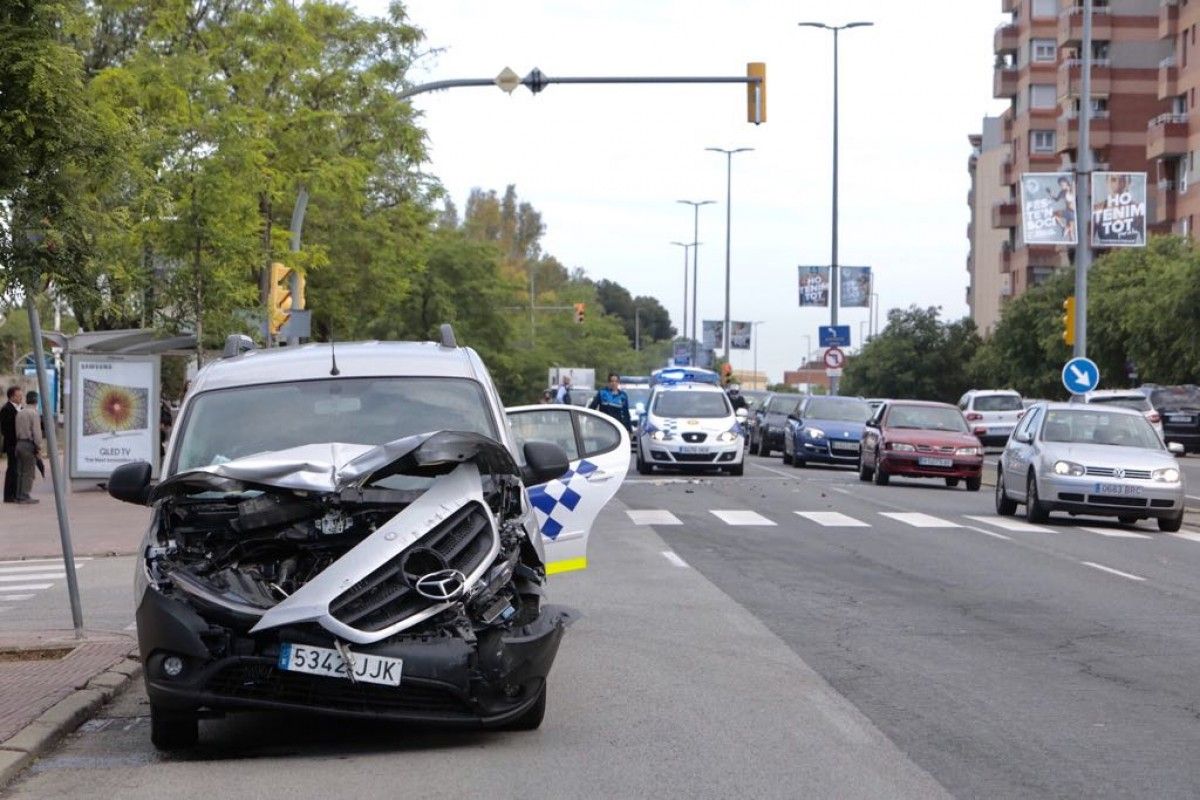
point(384, 670)
point(1116, 489)
point(925, 461)
point(693, 450)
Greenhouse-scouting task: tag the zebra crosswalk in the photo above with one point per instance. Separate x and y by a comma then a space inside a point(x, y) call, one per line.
point(22, 580)
point(747, 518)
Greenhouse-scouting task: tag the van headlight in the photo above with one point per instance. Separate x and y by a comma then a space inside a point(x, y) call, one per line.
point(1068, 468)
point(1166, 475)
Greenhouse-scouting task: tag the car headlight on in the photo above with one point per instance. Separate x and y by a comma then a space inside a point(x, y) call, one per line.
point(659, 436)
point(901, 447)
point(1068, 468)
point(727, 436)
point(815, 433)
point(967, 451)
point(1166, 475)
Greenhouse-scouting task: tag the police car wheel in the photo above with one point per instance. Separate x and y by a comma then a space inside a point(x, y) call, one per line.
point(642, 467)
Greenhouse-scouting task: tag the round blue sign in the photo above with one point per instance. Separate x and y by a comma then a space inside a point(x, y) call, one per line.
point(1080, 375)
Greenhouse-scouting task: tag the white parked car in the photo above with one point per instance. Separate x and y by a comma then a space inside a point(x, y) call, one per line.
point(992, 413)
point(1128, 398)
point(691, 425)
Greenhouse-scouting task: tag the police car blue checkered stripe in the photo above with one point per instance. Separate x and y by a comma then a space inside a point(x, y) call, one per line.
point(558, 494)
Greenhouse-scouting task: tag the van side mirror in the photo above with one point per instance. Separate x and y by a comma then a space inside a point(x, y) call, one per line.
point(544, 462)
point(130, 483)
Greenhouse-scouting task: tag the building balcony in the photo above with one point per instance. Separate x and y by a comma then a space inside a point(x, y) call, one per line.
point(1167, 136)
point(1006, 39)
point(1165, 196)
point(1168, 19)
point(1070, 75)
point(1070, 25)
point(1067, 138)
point(1004, 214)
point(1004, 82)
point(1168, 78)
point(1008, 174)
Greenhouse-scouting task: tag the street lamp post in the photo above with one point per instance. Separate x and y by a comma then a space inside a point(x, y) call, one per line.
point(728, 200)
point(695, 204)
point(833, 266)
point(685, 246)
point(754, 335)
point(873, 313)
point(808, 350)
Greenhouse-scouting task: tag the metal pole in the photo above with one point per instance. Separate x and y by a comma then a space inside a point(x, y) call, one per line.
point(695, 204)
point(637, 323)
point(296, 229)
point(833, 261)
point(684, 329)
point(728, 216)
point(1083, 187)
point(60, 499)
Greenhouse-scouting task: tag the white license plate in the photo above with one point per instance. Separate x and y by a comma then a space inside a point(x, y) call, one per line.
point(324, 661)
point(1180, 418)
point(999, 431)
point(693, 450)
point(1116, 489)
point(925, 461)
point(851, 446)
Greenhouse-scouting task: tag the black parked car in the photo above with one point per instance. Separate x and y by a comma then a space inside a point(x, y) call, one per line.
point(1179, 407)
point(771, 422)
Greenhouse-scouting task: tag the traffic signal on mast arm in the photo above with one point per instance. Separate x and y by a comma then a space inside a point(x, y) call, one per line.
point(756, 93)
point(1068, 320)
point(579, 309)
point(284, 284)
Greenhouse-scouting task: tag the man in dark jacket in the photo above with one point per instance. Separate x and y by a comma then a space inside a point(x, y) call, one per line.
point(613, 400)
point(14, 397)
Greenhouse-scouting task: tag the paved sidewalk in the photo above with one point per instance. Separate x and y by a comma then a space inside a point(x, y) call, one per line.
point(100, 525)
point(51, 682)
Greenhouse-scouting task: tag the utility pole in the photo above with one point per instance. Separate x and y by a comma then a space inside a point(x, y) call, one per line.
point(1083, 186)
point(695, 204)
point(728, 217)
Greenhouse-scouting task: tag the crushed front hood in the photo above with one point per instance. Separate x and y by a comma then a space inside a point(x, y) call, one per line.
point(336, 466)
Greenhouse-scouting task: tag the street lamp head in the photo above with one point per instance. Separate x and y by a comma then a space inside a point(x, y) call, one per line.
point(696, 202)
point(858, 25)
point(834, 28)
point(730, 152)
point(813, 25)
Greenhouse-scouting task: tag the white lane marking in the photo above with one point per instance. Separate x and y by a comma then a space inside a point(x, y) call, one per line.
point(1103, 568)
point(14, 598)
point(648, 516)
point(1011, 524)
point(791, 475)
point(833, 519)
point(1191, 537)
point(674, 559)
point(918, 520)
point(740, 517)
point(986, 532)
point(39, 568)
point(1116, 533)
point(40, 576)
point(28, 587)
point(57, 561)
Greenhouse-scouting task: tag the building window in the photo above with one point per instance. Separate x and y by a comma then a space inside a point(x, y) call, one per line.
point(1041, 141)
point(1099, 106)
point(1043, 95)
point(1045, 8)
point(1181, 171)
point(1043, 50)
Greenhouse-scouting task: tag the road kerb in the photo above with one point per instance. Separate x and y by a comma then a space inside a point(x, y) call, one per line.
point(62, 718)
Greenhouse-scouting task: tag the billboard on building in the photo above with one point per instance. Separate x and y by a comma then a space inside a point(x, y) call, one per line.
point(114, 413)
point(814, 286)
point(1048, 211)
point(1118, 209)
point(714, 334)
point(855, 286)
point(739, 335)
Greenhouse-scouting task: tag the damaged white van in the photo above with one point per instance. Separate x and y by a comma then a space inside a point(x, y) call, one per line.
point(363, 532)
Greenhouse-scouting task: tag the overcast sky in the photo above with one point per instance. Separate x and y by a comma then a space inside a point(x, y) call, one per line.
point(606, 164)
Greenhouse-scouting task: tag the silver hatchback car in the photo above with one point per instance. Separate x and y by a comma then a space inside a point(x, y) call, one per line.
point(1095, 460)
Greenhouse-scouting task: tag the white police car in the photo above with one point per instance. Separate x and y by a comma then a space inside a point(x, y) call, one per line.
point(691, 425)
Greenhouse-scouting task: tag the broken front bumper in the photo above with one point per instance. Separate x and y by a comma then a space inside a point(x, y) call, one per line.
point(446, 680)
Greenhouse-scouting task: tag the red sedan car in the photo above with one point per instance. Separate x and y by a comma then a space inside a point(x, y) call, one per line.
point(915, 439)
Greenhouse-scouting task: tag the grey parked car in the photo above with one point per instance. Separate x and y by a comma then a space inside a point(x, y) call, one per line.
point(1095, 460)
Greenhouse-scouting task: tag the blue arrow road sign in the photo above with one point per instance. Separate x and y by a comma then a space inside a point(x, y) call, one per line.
point(1080, 375)
point(834, 335)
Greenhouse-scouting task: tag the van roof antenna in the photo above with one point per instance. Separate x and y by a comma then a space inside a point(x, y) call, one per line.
point(333, 369)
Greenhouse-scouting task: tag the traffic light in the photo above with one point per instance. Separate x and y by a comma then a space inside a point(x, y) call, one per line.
point(756, 93)
point(579, 308)
point(1068, 320)
point(283, 283)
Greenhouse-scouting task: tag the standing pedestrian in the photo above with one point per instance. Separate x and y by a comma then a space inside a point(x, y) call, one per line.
point(8, 432)
point(612, 400)
point(29, 445)
point(563, 395)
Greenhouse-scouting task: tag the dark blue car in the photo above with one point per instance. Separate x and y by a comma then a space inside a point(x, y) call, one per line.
point(825, 430)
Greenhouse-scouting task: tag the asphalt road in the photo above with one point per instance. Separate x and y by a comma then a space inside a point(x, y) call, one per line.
point(791, 633)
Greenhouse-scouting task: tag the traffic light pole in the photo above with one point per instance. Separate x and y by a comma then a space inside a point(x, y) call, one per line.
point(1083, 188)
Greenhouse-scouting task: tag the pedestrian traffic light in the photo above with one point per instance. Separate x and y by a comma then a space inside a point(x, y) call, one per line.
point(1068, 320)
point(284, 285)
point(579, 308)
point(756, 93)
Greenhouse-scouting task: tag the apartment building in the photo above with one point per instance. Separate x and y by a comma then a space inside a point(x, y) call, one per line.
point(989, 284)
point(1038, 70)
point(1170, 141)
